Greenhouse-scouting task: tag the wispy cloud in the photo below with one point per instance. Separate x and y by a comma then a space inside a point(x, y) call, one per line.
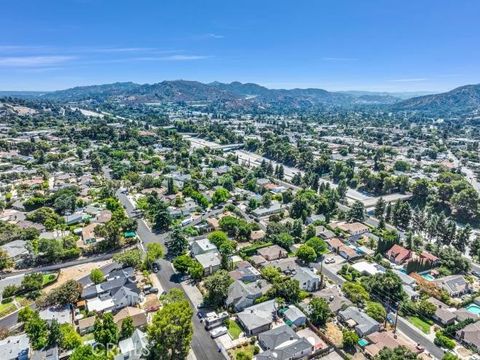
point(409, 80)
point(207, 36)
point(33, 61)
point(338, 59)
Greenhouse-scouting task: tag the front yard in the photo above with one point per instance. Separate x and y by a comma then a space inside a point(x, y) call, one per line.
point(420, 323)
point(247, 350)
point(234, 329)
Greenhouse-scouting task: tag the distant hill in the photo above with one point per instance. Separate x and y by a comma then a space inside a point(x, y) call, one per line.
point(232, 95)
point(238, 96)
point(461, 100)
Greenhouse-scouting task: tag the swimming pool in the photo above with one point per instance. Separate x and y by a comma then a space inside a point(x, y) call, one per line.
point(474, 309)
point(427, 277)
point(362, 342)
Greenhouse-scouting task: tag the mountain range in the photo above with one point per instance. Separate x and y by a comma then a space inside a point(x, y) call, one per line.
point(247, 96)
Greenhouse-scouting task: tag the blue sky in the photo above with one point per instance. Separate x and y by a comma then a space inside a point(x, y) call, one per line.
point(390, 45)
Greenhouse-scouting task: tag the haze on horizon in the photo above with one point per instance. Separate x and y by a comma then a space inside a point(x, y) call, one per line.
point(393, 46)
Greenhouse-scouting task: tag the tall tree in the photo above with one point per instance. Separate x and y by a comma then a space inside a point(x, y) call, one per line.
point(170, 331)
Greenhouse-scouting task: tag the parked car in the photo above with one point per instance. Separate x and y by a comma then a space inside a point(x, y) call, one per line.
point(156, 267)
point(330, 260)
point(222, 330)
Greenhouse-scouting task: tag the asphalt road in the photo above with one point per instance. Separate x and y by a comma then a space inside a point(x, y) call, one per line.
point(408, 329)
point(203, 346)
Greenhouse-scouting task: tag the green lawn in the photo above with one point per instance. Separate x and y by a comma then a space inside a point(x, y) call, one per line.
point(88, 337)
point(421, 324)
point(48, 279)
point(247, 349)
point(7, 308)
point(234, 329)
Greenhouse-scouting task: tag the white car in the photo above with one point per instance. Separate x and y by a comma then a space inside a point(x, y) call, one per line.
point(330, 260)
point(219, 331)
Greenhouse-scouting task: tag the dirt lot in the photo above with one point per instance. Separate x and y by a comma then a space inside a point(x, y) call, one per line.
point(76, 272)
point(334, 334)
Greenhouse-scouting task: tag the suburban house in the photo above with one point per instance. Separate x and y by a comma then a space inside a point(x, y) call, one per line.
point(202, 246)
point(85, 325)
point(398, 254)
point(443, 315)
point(74, 219)
point(324, 233)
point(241, 295)
point(360, 321)
point(210, 262)
point(426, 256)
point(15, 348)
point(386, 339)
point(354, 229)
point(282, 343)
point(349, 253)
point(62, 314)
point(16, 250)
point(272, 252)
point(294, 316)
point(258, 318)
point(245, 272)
point(133, 348)
point(455, 285)
point(334, 244)
point(138, 316)
point(274, 208)
point(308, 280)
point(470, 335)
point(335, 299)
point(117, 291)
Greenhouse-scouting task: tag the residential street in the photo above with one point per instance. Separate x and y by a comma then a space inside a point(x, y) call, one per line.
point(203, 346)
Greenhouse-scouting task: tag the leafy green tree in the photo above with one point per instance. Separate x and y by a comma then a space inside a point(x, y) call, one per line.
point(217, 288)
point(380, 208)
point(386, 286)
point(450, 356)
point(67, 293)
point(105, 330)
point(131, 258)
point(350, 339)
point(217, 237)
point(220, 196)
point(96, 275)
point(376, 311)
point(287, 289)
point(69, 338)
point(84, 352)
point(32, 282)
point(317, 244)
point(426, 308)
point(399, 353)
point(54, 333)
point(271, 273)
point(182, 263)
point(170, 331)
point(284, 239)
point(356, 212)
point(306, 253)
point(319, 311)
point(178, 243)
point(154, 252)
point(35, 327)
point(355, 292)
point(127, 328)
point(5, 261)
